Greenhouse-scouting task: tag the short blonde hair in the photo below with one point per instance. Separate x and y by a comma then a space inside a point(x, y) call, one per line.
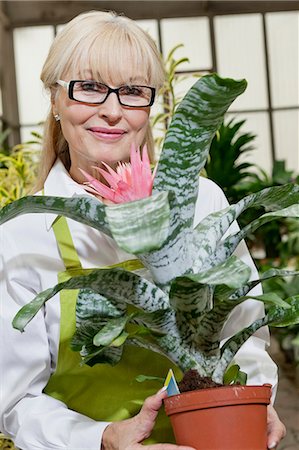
point(113, 49)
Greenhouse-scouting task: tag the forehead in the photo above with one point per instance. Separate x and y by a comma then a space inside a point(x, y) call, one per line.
point(115, 67)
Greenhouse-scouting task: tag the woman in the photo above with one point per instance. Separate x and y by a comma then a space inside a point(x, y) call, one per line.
point(102, 72)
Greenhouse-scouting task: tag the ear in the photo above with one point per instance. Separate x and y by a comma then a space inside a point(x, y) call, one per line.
point(53, 102)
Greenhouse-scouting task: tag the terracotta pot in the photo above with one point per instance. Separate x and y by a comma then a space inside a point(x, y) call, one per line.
point(224, 418)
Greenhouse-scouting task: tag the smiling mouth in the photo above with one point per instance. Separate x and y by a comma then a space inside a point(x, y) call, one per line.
point(106, 133)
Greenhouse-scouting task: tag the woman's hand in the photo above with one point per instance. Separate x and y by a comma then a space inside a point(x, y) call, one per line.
point(276, 429)
point(129, 434)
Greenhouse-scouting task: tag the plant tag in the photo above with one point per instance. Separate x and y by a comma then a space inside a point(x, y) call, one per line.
point(171, 384)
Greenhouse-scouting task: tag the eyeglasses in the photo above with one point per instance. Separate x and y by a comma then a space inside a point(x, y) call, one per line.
point(89, 91)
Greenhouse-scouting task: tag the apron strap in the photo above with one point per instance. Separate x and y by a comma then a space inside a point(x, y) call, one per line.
point(65, 244)
point(70, 256)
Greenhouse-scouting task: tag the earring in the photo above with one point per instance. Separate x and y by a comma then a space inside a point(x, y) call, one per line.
point(57, 117)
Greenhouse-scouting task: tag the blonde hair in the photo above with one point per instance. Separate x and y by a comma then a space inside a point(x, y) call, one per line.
point(101, 43)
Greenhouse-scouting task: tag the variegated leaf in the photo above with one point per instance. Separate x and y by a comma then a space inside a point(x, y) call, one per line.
point(87, 210)
point(140, 226)
point(111, 330)
point(277, 316)
point(230, 348)
point(184, 153)
point(116, 284)
point(230, 243)
point(208, 234)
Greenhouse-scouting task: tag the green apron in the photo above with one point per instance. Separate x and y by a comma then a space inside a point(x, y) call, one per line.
point(102, 392)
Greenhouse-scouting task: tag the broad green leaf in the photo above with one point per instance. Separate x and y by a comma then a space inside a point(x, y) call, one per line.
point(271, 273)
point(284, 317)
point(104, 355)
point(232, 272)
point(233, 375)
point(183, 155)
point(87, 210)
point(91, 304)
point(191, 131)
point(209, 232)
point(117, 284)
point(229, 244)
point(120, 340)
point(111, 331)
point(191, 297)
point(232, 345)
point(271, 298)
point(276, 316)
point(142, 378)
point(140, 226)
point(27, 312)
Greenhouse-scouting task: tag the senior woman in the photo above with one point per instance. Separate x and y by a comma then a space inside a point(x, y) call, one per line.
point(102, 73)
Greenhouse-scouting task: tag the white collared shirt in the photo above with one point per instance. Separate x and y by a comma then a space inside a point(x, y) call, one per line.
point(29, 264)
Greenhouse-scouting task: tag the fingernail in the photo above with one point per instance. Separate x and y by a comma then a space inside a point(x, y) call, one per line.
point(163, 389)
point(272, 445)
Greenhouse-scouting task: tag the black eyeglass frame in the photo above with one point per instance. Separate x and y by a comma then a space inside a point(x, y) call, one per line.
point(69, 85)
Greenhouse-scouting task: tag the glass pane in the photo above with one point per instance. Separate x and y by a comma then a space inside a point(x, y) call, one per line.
point(240, 54)
point(1, 108)
point(283, 41)
point(26, 135)
point(287, 137)
point(151, 27)
point(31, 46)
point(257, 123)
point(194, 34)
point(183, 84)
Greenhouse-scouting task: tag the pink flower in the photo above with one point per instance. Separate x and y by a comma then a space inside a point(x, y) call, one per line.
point(129, 182)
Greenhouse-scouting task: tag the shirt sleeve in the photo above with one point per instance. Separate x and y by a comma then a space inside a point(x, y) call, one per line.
point(252, 357)
point(33, 420)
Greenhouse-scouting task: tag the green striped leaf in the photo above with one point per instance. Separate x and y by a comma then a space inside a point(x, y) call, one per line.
point(112, 330)
point(140, 226)
point(209, 232)
point(87, 210)
point(184, 153)
point(117, 284)
point(229, 244)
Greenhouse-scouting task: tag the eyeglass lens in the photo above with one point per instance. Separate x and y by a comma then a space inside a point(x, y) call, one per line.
point(93, 92)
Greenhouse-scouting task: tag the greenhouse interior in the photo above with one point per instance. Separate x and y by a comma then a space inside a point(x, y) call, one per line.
point(256, 147)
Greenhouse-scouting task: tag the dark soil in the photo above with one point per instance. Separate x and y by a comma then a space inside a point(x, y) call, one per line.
point(193, 381)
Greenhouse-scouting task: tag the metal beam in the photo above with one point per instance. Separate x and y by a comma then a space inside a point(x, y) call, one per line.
point(28, 13)
point(10, 116)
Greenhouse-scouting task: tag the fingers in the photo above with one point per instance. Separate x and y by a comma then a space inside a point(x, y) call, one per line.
point(151, 406)
point(129, 434)
point(276, 429)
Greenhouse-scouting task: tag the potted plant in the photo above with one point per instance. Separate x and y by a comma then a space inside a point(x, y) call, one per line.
point(195, 280)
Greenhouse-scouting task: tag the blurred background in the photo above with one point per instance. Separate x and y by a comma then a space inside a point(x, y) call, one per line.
point(255, 40)
point(256, 147)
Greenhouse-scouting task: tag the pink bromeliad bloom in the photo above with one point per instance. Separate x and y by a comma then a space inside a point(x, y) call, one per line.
point(129, 182)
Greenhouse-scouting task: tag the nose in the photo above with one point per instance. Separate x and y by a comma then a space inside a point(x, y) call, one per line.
point(111, 110)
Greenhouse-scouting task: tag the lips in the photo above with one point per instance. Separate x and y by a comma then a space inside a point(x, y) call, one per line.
point(107, 133)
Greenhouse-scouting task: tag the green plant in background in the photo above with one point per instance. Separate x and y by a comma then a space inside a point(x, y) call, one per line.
point(6, 444)
point(168, 93)
point(277, 241)
point(197, 281)
point(17, 175)
point(224, 166)
point(18, 170)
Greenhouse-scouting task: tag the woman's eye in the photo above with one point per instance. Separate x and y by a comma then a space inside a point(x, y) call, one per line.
point(131, 90)
point(89, 86)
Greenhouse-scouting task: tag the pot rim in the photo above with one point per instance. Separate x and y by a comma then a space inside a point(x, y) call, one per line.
point(218, 396)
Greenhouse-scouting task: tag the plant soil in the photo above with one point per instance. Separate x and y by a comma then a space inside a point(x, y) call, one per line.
point(193, 381)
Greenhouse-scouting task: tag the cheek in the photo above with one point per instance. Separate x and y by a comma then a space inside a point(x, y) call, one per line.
point(76, 114)
point(139, 120)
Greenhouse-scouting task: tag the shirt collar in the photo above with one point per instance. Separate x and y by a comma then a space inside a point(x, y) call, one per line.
point(59, 183)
